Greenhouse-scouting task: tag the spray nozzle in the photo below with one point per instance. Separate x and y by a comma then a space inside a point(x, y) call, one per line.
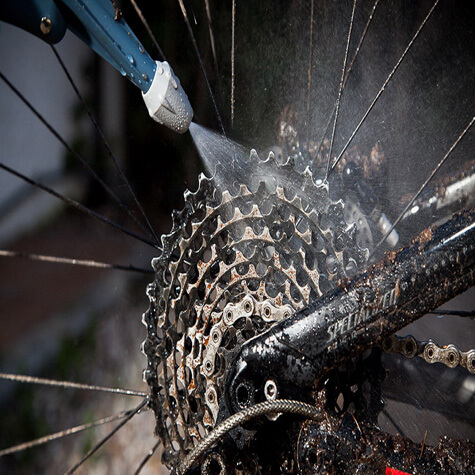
point(166, 101)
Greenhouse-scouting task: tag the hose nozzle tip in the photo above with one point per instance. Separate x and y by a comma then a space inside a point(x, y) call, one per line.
point(166, 101)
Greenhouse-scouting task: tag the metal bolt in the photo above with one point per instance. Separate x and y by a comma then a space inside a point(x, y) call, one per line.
point(248, 306)
point(429, 352)
point(471, 361)
point(270, 390)
point(228, 316)
point(215, 335)
point(410, 347)
point(211, 397)
point(46, 25)
point(208, 366)
point(453, 357)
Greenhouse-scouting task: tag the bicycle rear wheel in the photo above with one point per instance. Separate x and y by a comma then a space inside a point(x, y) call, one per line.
point(286, 67)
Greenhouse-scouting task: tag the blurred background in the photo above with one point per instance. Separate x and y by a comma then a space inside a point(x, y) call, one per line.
point(84, 325)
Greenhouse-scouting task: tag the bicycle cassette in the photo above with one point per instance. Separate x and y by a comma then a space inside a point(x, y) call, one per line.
point(238, 259)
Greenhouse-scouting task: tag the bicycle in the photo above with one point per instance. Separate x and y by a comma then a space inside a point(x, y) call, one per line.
point(269, 312)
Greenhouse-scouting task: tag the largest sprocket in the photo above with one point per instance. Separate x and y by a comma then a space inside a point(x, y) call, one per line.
point(238, 258)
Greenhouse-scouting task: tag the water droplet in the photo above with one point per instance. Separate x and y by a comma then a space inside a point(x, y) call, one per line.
point(141, 49)
point(145, 77)
point(122, 72)
point(159, 70)
point(131, 59)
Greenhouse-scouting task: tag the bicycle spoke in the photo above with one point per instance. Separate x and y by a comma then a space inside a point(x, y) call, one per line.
point(77, 205)
point(383, 87)
point(423, 186)
point(147, 27)
point(309, 69)
point(340, 89)
point(213, 47)
point(200, 60)
point(62, 433)
point(108, 148)
point(74, 262)
point(69, 149)
point(108, 436)
point(20, 378)
point(147, 457)
point(350, 68)
point(363, 36)
point(233, 31)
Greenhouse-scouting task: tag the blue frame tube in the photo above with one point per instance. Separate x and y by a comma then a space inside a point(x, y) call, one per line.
point(94, 22)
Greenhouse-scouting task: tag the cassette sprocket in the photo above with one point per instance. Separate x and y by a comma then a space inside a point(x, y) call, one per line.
point(239, 258)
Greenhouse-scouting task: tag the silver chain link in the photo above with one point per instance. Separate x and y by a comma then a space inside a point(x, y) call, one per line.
point(430, 352)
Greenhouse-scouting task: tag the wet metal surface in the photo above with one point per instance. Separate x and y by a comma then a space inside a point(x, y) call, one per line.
point(358, 314)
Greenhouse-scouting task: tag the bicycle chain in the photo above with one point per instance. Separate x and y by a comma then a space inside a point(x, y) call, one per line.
point(238, 259)
point(430, 351)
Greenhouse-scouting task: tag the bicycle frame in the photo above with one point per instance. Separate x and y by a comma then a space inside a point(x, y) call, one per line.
point(288, 362)
point(357, 315)
point(95, 22)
